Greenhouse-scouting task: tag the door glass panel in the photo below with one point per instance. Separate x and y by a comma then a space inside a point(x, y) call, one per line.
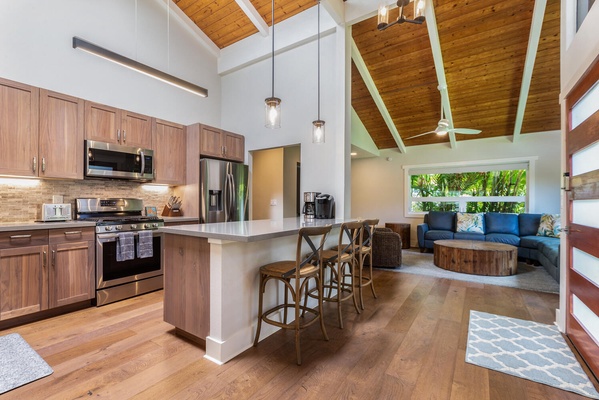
point(586, 213)
point(584, 313)
point(586, 160)
point(586, 106)
point(586, 265)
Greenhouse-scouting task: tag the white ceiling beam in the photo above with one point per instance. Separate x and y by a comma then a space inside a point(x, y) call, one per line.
point(433, 34)
point(248, 8)
point(374, 93)
point(531, 54)
point(336, 9)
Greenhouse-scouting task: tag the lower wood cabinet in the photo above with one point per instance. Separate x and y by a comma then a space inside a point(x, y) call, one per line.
point(23, 281)
point(45, 269)
point(71, 272)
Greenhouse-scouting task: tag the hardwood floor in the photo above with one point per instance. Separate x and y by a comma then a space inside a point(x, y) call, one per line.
point(410, 343)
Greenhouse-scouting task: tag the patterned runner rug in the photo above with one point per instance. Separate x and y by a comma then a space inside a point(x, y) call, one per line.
point(19, 363)
point(525, 349)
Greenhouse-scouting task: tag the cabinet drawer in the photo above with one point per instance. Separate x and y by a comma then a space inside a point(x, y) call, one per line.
point(14, 239)
point(71, 235)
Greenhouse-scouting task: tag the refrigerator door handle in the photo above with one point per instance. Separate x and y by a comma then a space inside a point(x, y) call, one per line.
point(225, 197)
point(233, 195)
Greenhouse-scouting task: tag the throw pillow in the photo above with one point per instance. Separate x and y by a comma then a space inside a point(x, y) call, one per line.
point(472, 223)
point(550, 225)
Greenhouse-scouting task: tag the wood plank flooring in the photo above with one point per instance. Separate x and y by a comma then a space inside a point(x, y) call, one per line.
point(410, 343)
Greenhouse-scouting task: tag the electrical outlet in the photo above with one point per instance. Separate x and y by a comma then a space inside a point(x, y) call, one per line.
point(273, 202)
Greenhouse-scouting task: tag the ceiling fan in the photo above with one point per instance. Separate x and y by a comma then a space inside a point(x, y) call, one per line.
point(443, 128)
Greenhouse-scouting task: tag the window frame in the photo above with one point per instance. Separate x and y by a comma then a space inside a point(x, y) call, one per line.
point(463, 166)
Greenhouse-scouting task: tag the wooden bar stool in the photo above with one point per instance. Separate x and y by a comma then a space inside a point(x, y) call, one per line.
point(363, 251)
point(341, 261)
point(301, 270)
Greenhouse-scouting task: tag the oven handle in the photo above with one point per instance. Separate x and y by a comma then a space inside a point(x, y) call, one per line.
point(112, 235)
point(143, 162)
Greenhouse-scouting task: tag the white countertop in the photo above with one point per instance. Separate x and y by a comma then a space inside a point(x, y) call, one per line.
point(248, 231)
point(32, 225)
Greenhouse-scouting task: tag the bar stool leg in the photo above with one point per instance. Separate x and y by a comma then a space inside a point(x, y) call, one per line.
point(370, 277)
point(262, 286)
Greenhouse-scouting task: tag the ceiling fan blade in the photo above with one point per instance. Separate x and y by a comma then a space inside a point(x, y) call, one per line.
point(465, 131)
point(422, 134)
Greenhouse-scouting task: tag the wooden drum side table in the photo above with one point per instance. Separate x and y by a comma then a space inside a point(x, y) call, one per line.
point(476, 257)
point(403, 230)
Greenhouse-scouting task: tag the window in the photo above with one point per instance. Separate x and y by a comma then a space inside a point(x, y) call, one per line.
point(477, 187)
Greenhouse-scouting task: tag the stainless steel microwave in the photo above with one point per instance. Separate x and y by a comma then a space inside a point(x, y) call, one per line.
point(113, 161)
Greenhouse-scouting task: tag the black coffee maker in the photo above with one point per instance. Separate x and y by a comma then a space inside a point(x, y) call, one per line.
point(325, 206)
point(309, 209)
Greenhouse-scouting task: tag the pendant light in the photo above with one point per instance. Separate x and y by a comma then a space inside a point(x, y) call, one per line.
point(318, 125)
point(272, 103)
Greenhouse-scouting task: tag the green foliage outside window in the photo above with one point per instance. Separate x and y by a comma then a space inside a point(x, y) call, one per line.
point(470, 184)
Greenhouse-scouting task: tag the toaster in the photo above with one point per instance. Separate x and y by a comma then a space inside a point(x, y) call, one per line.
point(56, 212)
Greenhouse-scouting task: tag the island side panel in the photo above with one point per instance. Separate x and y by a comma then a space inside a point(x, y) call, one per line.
point(187, 284)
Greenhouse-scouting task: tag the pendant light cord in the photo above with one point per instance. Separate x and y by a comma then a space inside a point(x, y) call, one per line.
point(273, 47)
point(319, 60)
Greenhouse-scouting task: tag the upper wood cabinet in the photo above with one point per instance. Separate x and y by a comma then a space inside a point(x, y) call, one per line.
point(60, 134)
point(112, 125)
point(217, 143)
point(19, 112)
point(170, 150)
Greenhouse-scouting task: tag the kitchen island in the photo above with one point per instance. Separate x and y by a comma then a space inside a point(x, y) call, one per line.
point(211, 278)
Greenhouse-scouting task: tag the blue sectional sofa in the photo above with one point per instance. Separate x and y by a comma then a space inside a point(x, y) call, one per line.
point(519, 230)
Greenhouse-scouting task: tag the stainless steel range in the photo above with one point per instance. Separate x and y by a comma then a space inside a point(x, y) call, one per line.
point(128, 262)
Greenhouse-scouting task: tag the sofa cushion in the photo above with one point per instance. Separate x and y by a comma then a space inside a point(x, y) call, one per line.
point(468, 236)
point(528, 224)
point(469, 222)
point(501, 223)
point(550, 225)
point(441, 220)
point(550, 250)
point(532, 242)
point(438, 235)
point(505, 238)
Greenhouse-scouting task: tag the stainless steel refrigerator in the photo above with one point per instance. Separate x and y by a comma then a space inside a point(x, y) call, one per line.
point(223, 191)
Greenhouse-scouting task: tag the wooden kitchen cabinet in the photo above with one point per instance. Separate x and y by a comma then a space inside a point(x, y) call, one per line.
point(60, 136)
point(217, 143)
point(112, 125)
point(19, 127)
point(23, 273)
point(71, 276)
point(170, 150)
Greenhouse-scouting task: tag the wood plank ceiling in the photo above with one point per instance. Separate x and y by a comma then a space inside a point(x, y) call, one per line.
point(483, 45)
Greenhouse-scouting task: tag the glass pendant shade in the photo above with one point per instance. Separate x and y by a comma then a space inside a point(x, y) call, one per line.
point(383, 16)
point(273, 112)
point(318, 131)
point(419, 6)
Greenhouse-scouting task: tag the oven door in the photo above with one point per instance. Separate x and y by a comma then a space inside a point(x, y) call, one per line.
point(110, 272)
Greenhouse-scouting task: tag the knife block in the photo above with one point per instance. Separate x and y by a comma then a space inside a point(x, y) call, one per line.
point(171, 212)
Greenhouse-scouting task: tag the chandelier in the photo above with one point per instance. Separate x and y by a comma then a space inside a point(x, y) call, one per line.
point(383, 14)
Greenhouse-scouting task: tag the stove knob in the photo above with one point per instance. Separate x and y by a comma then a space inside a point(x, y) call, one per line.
point(154, 225)
point(133, 226)
point(118, 227)
point(108, 228)
point(146, 226)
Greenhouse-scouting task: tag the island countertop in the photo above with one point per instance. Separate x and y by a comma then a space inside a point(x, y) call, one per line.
point(249, 231)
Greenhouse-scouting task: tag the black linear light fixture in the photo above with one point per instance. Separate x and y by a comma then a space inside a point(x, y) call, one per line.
point(383, 19)
point(101, 52)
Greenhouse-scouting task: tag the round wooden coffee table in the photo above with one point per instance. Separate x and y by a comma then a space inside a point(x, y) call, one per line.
point(476, 257)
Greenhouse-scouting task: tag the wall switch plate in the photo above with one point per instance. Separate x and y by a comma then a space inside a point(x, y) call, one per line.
point(273, 202)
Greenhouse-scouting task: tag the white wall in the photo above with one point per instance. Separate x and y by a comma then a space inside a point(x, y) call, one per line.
point(36, 49)
point(378, 184)
point(244, 91)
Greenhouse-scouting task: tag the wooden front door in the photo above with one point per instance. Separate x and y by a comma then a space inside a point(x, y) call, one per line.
point(582, 217)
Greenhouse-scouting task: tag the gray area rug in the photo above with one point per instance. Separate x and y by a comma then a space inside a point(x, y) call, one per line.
point(525, 349)
point(19, 363)
point(528, 277)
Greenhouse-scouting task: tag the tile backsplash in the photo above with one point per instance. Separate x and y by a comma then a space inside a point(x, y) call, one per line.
point(20, 203)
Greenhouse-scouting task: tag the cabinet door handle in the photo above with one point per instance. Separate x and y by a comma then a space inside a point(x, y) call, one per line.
point(43, 164)
point(124, 136)
point(73, 233)
point(20, 236)
point(53, 258)
point(34, 165)
point(44, 259)
point(118, 135)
